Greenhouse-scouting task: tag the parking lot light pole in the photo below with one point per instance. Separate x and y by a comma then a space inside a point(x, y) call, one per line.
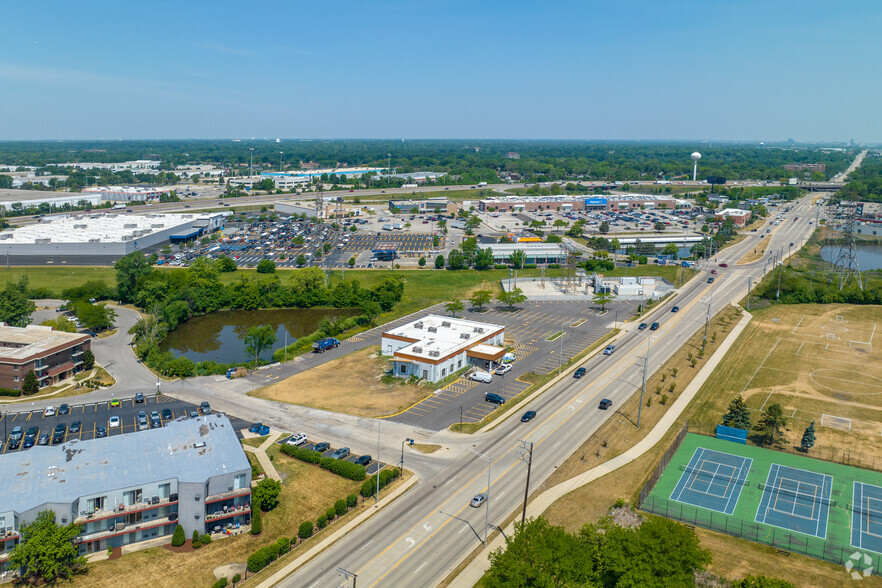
point(489, 479)
point(410, 441)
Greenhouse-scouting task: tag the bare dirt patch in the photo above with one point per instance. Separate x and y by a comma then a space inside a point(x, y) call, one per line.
point(353, 384)
point(756, 253)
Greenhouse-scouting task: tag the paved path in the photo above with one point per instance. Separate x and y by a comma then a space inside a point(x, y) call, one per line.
point(476, 569)
point(260, 452)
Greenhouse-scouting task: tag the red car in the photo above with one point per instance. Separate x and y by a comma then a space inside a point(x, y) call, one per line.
point(713, 271)
point(724, 265)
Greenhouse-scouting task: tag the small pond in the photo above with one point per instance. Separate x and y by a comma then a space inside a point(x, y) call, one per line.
point(219, 336)
point(869, 257)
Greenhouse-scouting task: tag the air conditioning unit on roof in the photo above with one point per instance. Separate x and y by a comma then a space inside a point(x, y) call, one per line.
point(445, 323)
point(433, 329)
point(464, 336)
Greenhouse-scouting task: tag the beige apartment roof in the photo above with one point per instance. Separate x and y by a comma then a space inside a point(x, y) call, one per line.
point(19, 344)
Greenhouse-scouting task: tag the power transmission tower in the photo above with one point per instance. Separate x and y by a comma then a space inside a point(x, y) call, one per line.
point(320, 200)
point(846, 259)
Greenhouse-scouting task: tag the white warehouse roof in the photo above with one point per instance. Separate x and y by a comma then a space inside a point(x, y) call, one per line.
point(436, 336)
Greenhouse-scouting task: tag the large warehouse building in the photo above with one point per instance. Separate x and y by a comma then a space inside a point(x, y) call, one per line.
point(23, 199)
point(90, 239)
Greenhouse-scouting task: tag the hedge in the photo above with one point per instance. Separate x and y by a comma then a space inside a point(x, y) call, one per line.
point(500, 266)
point(221, 583)
point(262, 558)
point(256, 522)
point(341, 467)
point(205, 539)
point(306, 529)
point(369, 486)
point(340, 508)
point(9, 392)
point(352, 500)
point(322, 522)
point(283, 544)
point(331, 513)
point(197, 541)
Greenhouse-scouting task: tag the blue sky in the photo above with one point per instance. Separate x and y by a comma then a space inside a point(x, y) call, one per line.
point(719, 70)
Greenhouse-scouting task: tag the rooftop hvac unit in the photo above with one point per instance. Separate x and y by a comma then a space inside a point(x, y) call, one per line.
point(434, 353)
point(95, 240)
point(417, 349)
point(464, 336)
point(445, 323)
point(42, 241)
point(157, 226)
point(418, 325)
point(80, 226)
point(4, 236)
point(479, 329)
point(433, 329)
point(130, 226)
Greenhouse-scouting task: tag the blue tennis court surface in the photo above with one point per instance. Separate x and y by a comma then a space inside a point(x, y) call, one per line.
point(866, 517)
point(796, 500)
point(712, 480)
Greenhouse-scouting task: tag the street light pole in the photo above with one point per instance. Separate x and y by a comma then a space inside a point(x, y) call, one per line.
point(348, 575)
point(526, 456)
point(408, 440)
point(377, 492)
point(489, 479)
point(643, 387)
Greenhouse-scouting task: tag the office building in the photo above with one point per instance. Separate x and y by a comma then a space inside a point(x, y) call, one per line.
point(52, 355)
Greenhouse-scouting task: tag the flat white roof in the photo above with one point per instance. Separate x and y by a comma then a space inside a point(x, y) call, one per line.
point(20, 343)
point(528, 248)
point(127, 189)
point(106, 228)
point(440, 336)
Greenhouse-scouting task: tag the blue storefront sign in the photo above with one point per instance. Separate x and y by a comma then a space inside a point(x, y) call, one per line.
point(595, 202)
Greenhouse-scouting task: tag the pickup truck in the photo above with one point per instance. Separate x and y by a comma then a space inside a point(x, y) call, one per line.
point(323, 345)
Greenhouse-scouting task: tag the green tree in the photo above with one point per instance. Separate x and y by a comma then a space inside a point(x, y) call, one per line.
point(454, 306)
point(439, 262)
point(768, 429)
point(46, 552)
point(266, 266)
point(15, 306)
point(258, 340)
point(659, 227)
point(266, 493)
point(604, 227)
point(351, 262)
point(602, 298)
point(480, 297)
point(225, 264)
point(256, 520)
point(371, 310)
point(738, 415)
point(615, 245)
point(30, 385)
point(129, 270)
point(808, 437)
point(88, 359)
point(65, 325)
point(178, 538)
point(484, 259)
point(509, 299)
point(95, 317)
point(196, 540)
point(305, 530)
point(422, 262)
point(517, 258)
point(301, 259)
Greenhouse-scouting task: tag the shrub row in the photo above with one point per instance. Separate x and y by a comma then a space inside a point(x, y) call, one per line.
point(341, 467)
point(262, 558)
point(370, 485)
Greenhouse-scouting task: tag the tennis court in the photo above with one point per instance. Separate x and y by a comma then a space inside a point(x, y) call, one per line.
point(866, 517)
point(796, 500)
point(712, 480)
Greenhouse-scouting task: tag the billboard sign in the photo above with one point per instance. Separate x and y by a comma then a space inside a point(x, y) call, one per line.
point(595, 202)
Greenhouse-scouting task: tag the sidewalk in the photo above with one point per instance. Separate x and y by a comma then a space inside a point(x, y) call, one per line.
point(476, 569)
point(291, 567)
point(260, 452)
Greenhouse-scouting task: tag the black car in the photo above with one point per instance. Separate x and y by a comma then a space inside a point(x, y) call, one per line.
point(654, 327)
point(579, 373)
point(642, 326)
point(528, 416)
point(59, 433)
point(16, 443)
point(32, 432)
point(321, 447)
point(75, 427)
point(100, 432)
point(206, 408)
point(63, 409)
point(167, 414)
point(604, 404)
point(29, 442)
point(139, 397)
point(710, 280)
point(494, 398)
point(363, 460)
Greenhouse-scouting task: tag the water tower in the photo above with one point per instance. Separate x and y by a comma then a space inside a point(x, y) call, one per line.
point(695, 157)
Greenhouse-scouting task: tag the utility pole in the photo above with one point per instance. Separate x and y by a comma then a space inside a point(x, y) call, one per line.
point(706, 321)
point(560, 357)
point(748, 293)
point(643, 387)
point(377, 493)
point(526, 455)
point(251, 174)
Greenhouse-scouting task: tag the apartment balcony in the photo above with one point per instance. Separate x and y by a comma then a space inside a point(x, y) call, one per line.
point(122, 509)
point(227, 512)
point(9, 536)
point(122, 529)
point(224, 495)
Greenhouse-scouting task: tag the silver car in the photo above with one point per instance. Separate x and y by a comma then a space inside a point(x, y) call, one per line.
point(478, 500)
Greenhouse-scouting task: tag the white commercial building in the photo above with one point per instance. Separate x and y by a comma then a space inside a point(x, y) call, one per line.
point(22, 199)
point(127, 193)
point(90, 238)
point(538, 253)
point(434, 347)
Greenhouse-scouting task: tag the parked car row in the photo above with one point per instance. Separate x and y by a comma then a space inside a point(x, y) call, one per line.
point(300, 440)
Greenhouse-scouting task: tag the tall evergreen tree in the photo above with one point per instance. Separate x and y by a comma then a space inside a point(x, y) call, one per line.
point(808, 437)
point(768, 429)
point(738, 416)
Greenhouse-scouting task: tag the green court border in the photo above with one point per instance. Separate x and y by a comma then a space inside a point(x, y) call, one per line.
point(835, 548)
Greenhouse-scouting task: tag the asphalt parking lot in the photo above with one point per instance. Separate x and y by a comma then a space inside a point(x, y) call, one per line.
point(371, 468)
point(530, 326)
point(94, 415)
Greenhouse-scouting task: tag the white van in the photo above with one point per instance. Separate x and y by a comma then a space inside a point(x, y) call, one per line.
point(481, 377)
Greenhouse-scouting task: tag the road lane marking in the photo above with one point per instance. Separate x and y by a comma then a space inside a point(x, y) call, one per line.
point(421, 567)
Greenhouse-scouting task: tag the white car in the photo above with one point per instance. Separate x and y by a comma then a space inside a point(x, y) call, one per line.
point(296, 439)
point(481, 377)
point(503, 369)
point(50, 411)
point(113, 422)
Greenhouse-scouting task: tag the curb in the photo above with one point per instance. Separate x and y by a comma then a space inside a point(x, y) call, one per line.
point(472, 574)
point(336, 535)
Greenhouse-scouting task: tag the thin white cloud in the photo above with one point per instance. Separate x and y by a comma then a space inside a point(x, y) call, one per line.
point(218, 48)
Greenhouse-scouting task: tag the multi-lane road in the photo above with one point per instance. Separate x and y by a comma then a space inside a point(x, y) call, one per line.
point(421, 537)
